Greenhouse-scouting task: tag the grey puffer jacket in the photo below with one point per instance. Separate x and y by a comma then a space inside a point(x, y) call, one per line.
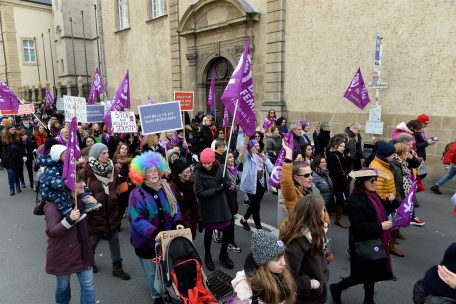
point(324, 183)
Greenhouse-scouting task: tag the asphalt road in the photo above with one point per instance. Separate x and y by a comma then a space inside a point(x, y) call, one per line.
point(23, 248)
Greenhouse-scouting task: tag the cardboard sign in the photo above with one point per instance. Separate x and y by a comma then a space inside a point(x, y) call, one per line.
point(95, 113)
point(185, 99)
point(160, 117)
point(374, 127)
point(167, 236)
point(60, 106)
point(75, 106)
point(123, 122)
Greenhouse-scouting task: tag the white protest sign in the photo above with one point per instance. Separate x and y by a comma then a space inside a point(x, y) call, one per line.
point(374, 127)
point(75, 106)
point(375, 113)
point(123, 122)
point(59, 104)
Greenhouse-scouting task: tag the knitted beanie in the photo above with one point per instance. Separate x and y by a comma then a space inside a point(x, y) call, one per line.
point(423, 118)
point(252, 143)
point(179, 165)
point(265, 247)
point(385, 150)
point(207, 156)
point(56, 151)
point(96, 150)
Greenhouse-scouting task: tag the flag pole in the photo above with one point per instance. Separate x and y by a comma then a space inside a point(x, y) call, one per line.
point(75, 179)
point(20, 101)
point(229, 141)
point(337, 110)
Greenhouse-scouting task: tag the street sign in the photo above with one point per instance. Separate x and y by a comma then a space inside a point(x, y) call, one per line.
point(378, 85)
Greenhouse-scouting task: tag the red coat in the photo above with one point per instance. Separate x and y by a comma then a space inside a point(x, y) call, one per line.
point(450, 156)
point(40, 140)
point(64, 250)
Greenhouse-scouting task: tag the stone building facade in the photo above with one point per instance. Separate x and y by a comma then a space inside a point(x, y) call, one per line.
point(304, 56)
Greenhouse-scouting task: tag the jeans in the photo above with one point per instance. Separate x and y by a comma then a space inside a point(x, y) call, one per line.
point(13, 179)
point(63, 291)
point(149, 268)
point(114, 246)
point(449, 175)
point(368, 287)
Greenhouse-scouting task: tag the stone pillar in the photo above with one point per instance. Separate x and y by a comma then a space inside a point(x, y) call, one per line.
point(20, 93)
point(25, 92)
point(80, 80)
point(58, 88)
point(33, 93)
point(40, 94)
point(68, 85)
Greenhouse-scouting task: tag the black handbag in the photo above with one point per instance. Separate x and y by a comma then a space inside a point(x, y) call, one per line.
point(370, 250)
point(38, 209)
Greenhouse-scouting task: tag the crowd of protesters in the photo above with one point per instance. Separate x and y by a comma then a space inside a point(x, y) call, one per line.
point(178, 179)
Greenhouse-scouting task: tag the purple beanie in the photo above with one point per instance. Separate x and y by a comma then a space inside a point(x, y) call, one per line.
point(251, 143)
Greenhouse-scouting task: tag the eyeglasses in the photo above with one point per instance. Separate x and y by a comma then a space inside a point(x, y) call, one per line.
point(373, 180)
point(307, 175)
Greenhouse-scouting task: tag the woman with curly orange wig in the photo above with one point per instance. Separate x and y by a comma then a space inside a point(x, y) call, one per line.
point(152, 208)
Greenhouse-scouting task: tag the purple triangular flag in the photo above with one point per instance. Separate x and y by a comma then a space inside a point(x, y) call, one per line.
point(211, 97)
point(71, 155)
point(240, 90)
point(149, 100)
point(405, 210)
point(8, 100)
point(120, 101)
point(225, 122)
point(97, 88)
point(357, 91)
point(49, 99)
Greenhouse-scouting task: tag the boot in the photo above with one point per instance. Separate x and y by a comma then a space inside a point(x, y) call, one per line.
point(18, 189)
point(209, 264)
point(392, 247)
point(12, 192)
point(118, 271)
point(158, 300)
point(339, 216)
point(94, 268)
point(225, 260)
point(336, 293)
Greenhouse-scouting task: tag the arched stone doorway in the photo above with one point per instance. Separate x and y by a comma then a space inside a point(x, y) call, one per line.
point(223, 70)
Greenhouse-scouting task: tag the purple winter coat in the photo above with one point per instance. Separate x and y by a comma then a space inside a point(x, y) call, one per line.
point(65, 253)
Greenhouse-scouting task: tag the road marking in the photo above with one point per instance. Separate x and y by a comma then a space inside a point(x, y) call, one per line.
point(265, 226)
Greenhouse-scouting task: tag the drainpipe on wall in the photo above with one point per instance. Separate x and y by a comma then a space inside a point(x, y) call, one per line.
point(103, 58)
point(4, 50)
point(179, 46)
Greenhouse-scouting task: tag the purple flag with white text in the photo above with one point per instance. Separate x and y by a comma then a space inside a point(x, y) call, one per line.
point(8, 100)
point(240, 90)
point(225, 122)
point(405, 210)
point(49, 99)
point(120, 101)
point(268, 122)
point(97, 88)
point(149, 100)
point(71, 155)
point(357, 91)
point(211, 97)
point(274, 178)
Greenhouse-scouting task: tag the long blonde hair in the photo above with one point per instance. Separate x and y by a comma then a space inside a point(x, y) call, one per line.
point(265, 284)
point(306, 215)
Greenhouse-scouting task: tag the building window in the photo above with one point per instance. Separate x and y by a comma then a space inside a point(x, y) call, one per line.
point(29, 51)
point(123, 14)
point(158, 8)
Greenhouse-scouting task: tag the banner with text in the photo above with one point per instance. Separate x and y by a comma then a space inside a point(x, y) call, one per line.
point(186, 100)
point(160, 117)
point(123, 122)
point(95, 113)
point(75, 106)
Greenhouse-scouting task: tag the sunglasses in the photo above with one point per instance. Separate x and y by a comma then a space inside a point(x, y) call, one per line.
point(307, 175)
point(373, 180)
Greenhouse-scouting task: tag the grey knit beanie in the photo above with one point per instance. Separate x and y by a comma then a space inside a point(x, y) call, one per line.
point(265, 247)
point(96, 150)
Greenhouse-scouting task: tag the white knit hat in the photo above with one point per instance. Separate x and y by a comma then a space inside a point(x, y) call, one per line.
point(56, 151)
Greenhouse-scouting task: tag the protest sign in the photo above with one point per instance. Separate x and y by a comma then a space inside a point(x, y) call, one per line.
point(75, 106)
point(160, 117)
point(123, 122)
point(59, 104)
point(168, 235)
point(185, 99)
point(25, 109)
point(95, 113)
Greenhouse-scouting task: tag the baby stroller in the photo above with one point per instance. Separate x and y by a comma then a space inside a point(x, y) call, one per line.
point(183, 279)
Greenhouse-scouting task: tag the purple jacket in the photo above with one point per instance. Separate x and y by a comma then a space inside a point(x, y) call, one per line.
point(69, 249)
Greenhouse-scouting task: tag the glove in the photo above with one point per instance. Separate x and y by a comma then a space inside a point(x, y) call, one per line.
point(24, 158)
point(220, 188)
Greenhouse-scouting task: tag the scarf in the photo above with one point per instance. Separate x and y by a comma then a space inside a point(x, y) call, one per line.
point(232, 173)
point(162, 184)
point(103, 172)
point(407, 183)
point(381, 217)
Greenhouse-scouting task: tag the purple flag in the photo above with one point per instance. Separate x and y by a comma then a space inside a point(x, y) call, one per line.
point(268, 122)
point(71, 155)
point(49, 99)
point(274, 178)
point(225, 122)
point(8, 100)
point(240, 90)
point(97, 88)
point(357, 92)
point(211, 97)
point(149, 100)
point(120, 101)
point(405, 210)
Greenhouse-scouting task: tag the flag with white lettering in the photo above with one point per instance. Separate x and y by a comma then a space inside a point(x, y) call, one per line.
point(357, 91)
point(97, 88)
point(405, 210)
point(8, 100)
point(120, 101)
point(72, 153)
